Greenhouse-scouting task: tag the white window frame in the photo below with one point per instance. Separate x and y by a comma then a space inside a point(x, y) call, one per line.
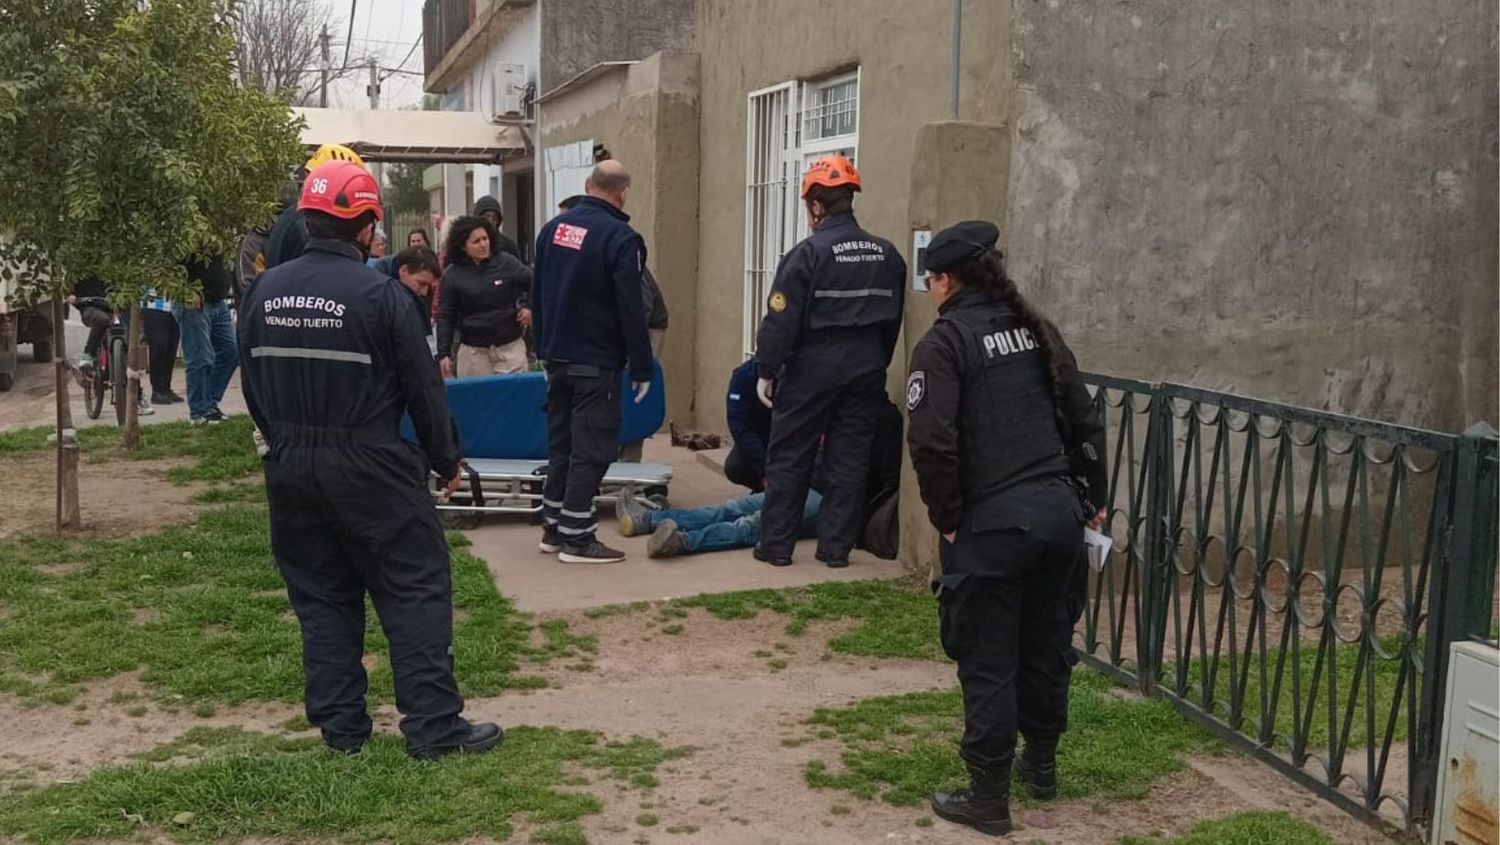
point(778, 152)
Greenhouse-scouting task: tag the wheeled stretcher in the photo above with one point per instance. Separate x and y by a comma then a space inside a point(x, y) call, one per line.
point(502, 421)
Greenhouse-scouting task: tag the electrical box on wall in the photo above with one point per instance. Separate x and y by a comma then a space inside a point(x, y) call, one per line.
point(510, 91)
point(1469, 782)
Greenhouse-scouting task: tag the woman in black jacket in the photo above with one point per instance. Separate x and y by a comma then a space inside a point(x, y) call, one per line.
point(484, 298)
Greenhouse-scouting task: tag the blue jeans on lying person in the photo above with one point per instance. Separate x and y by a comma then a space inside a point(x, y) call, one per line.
point(735, 524)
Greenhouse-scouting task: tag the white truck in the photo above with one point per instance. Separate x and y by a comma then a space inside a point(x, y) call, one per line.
point(21, 323)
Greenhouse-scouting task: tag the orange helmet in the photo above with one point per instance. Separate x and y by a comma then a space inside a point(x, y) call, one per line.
point(830, 171)
point(341, 189)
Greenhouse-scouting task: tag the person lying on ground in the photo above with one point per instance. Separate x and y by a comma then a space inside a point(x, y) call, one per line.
point(734, 524)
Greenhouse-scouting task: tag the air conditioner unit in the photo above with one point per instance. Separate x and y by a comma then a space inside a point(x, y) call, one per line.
point(1468, 792)
point(510, 91)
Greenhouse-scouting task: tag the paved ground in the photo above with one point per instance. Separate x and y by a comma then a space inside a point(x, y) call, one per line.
point(539, 583)
point(32, 401)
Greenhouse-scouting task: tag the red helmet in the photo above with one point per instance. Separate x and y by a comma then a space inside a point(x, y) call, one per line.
point(341, 189)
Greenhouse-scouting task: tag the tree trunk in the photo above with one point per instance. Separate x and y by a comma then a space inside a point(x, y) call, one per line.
point(137, 365)
point(68, 515)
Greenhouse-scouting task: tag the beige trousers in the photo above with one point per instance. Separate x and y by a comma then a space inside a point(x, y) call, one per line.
point(492, 360)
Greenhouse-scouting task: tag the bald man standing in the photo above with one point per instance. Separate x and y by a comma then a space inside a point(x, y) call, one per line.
point(590, 323)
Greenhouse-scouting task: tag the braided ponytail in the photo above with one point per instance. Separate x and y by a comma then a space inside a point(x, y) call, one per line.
point(987, 273)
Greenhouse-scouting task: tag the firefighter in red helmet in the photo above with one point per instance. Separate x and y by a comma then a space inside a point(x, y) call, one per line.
point(331, 361)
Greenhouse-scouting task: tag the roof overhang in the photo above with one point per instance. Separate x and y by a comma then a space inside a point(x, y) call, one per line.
point(451, 137)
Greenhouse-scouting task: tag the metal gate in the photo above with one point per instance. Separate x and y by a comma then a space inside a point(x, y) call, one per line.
point(1292, 580)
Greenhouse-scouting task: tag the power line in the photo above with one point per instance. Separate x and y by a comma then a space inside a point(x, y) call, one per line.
point(348, 39)
point(400, 67)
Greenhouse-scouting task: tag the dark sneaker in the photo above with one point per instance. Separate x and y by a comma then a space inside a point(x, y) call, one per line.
point(350, 750)
point(158, 398)
point(595, 552)
point(551, 541)
point(214, 417)
point(633, 519)
point(481, 738)
point(833, 562)
point(774, 561)
point(666, 541)
point(176, 397)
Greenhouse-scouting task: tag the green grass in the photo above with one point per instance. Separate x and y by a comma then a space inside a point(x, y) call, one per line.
point(1250, 828)
point(895, 619)
point(229, 783)
point(201, 610)
point(219, 452)
point(1385, 675)
point(901, 748)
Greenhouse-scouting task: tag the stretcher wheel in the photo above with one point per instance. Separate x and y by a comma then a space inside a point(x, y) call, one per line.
point(458, 521)
point(657, 500)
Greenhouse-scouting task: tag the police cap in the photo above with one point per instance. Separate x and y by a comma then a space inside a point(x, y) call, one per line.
point(959, 243)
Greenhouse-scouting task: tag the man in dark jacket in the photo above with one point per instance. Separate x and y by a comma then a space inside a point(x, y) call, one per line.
point(489, 209)
point(589, 323)
point(831, 325)
point(750, 426)
point(333, 360)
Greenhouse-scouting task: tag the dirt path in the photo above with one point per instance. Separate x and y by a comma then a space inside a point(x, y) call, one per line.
point(711, 688)
point(118, 498)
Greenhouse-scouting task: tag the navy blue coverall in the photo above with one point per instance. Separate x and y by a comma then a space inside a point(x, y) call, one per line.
point(331, 358)
point(832, 321)
point(750, 426)
point(590, 322)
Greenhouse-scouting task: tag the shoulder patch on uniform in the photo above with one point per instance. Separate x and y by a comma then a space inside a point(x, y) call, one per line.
point(916, 389)
point(569, 236)
point(778, 302)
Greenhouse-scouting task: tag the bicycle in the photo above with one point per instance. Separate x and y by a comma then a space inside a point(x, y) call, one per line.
point(110, 375)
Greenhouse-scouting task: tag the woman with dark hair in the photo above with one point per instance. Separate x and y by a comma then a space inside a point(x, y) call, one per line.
point(1008, 452)
point(484, 301)
point(417, 237)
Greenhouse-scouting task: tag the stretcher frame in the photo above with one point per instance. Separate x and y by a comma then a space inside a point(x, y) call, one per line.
point(515, 486)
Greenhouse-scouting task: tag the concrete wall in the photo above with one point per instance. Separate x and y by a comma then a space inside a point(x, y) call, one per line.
point(578, 34)
point(647, 115)
point(903, 52)
point(1295, 201)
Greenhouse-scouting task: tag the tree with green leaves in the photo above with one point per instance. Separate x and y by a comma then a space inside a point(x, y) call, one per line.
point(126, 147)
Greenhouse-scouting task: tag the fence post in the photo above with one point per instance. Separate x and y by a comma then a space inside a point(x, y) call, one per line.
point(1150, 635)
point(1461, 603)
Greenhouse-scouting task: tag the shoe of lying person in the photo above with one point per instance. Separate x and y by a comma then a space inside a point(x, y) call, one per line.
point(633, 519)
point(595, 552)
point(666, 541)
point(480, 738)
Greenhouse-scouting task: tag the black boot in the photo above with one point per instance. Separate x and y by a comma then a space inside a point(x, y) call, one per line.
point(1037, 767)
point(984, 806)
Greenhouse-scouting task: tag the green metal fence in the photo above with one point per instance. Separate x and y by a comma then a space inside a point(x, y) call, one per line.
point(1292, 580)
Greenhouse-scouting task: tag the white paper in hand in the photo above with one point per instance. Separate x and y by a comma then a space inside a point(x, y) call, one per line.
point(1098, 546)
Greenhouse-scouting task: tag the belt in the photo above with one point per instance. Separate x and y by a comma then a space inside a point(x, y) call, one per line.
point(291, 434)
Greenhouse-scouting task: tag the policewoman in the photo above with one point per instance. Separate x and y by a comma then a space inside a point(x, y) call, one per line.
point(331, 359)
point(832, 321)
point(1007, 450)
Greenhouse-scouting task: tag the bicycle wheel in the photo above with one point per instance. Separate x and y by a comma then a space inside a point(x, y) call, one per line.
point(93, 393)
point(118, 384)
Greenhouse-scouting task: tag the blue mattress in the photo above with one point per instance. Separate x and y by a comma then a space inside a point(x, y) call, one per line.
point(505, 417)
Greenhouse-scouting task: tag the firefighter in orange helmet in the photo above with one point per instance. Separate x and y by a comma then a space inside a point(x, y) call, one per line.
point(331, 360)
point(832, 320)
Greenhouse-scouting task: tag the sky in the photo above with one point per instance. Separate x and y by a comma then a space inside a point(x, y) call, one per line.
point(386, 29)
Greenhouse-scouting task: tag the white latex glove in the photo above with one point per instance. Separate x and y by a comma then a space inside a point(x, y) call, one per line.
point(641, 389)
point(763, 388)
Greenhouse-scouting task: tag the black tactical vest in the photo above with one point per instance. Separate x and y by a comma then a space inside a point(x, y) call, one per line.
point(1007, 426)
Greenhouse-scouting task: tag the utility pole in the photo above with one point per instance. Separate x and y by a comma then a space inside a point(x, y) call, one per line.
point(323, 43)
point(374, 92)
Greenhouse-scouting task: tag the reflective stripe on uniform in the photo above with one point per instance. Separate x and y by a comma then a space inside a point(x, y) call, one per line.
point(312, 354)
point(576, 514)
point(578, 532)
point(853, 294)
